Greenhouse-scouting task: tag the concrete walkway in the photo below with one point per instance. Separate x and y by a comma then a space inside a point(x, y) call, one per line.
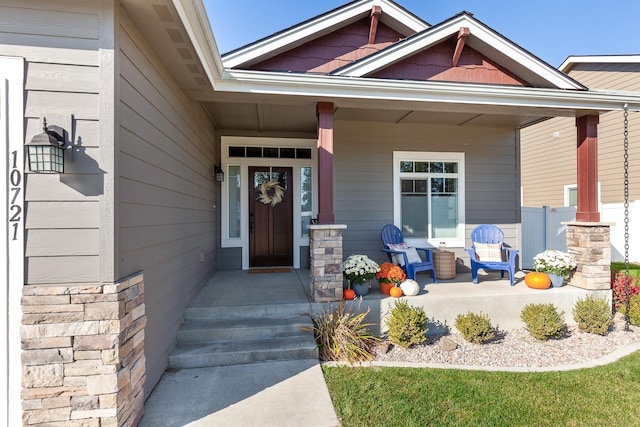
point(279, 393)
point(286, 393)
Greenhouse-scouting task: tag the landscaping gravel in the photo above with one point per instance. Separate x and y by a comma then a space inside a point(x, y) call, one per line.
point(513, 349)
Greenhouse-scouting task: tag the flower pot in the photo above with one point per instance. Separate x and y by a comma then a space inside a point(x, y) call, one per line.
point(361, 289)
point(556, 280)
point(385, 288)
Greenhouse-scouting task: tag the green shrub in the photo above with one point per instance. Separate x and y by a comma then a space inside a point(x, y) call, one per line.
point(592, 315)
point(543, 321)
point(342, 336)
point(623, 288)
point(407, 325)
point(634, 310)
point(475, 328)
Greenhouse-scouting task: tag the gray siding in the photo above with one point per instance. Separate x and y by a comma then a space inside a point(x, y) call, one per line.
point(165, 193)
point(60, 46)
point(363, 183)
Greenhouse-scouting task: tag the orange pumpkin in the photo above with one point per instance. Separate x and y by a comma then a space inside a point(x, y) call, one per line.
point(349, 294)
point(395, 292)
point(537, 280)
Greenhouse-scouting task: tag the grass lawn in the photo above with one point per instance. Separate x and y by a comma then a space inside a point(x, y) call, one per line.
point(634, 269)
point(601, 396)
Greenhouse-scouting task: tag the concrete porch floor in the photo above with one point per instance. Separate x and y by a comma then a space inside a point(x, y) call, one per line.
point(442, 301)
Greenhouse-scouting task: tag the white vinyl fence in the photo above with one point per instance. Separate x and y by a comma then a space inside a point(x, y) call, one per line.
point(614, 213)
point(542, 229)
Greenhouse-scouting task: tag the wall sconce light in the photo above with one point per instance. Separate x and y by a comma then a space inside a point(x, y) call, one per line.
point(46, 150)
point(218, 173)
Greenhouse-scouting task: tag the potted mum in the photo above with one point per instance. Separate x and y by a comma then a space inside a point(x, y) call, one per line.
point(359, 270)
point(389, 276)
point(557, 265)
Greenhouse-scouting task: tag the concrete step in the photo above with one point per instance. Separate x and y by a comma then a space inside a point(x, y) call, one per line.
point(224, 353)
point(247, 334)
point(247, 311)
point(203, 330)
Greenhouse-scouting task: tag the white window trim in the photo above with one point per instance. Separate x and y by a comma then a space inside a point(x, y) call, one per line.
point(244, 163)
point(575, 187)
point(431, 156)
point(566, 190)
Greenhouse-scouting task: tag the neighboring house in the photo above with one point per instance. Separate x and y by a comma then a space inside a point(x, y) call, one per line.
point(549, 175)
point(362, 116)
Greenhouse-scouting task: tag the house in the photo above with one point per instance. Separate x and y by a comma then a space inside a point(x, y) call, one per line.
point(552, 180)
point(179, 161)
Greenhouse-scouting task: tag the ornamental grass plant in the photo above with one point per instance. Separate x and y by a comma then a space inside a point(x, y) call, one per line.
point(342, 335)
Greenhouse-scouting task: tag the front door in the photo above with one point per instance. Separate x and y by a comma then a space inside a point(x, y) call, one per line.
point(270, 216)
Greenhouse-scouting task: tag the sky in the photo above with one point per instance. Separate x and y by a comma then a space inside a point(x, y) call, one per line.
point(550, 29)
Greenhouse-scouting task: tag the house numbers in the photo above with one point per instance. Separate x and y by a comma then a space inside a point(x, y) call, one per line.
point(15, 188)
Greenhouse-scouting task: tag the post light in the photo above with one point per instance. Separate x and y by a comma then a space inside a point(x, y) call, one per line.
point(46, 150)
point(219, 173)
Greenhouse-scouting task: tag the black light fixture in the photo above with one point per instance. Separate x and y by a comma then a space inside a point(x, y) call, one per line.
point(218, 173)
point(46, 150)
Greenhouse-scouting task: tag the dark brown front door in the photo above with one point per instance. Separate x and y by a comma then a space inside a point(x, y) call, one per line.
point(270, 217)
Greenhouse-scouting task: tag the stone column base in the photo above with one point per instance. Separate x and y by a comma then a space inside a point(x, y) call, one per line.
point(589, 243)
point(325, 245)
point(83, 361)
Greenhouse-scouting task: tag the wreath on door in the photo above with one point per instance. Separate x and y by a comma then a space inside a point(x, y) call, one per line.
point(271, 193)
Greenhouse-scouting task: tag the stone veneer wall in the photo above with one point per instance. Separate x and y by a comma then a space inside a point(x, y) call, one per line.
point(589, 243)
point(325, 246)
point(83, 361)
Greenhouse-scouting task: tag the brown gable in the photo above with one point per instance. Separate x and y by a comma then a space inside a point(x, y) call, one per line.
point(435, 64)
point(332, 51)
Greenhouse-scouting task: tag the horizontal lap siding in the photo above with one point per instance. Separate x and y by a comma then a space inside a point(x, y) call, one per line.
point(363, 170)
point(60, 32)
point(60, 45)
point(625, 77)
point(166, 193)
point(549, 163)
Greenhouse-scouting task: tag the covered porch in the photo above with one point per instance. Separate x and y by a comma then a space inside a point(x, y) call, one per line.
point(227, 290)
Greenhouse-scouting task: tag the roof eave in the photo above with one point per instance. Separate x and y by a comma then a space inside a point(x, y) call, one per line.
point(329, 87)
point(572, 60)
point(196, 23)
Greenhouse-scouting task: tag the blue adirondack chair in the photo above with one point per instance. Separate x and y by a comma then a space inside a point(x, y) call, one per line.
point(391, 235)
point(489, 253)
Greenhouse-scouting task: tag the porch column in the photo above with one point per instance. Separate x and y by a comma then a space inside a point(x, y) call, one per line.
point(325, 163)
point(587, 162)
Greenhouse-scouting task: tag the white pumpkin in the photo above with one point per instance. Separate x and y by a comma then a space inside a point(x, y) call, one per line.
point(410, 287)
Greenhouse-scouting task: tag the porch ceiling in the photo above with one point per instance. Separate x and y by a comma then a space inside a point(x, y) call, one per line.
point(262, 117)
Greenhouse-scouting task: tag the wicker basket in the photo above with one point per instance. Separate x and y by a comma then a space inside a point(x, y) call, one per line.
point(445, 264)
